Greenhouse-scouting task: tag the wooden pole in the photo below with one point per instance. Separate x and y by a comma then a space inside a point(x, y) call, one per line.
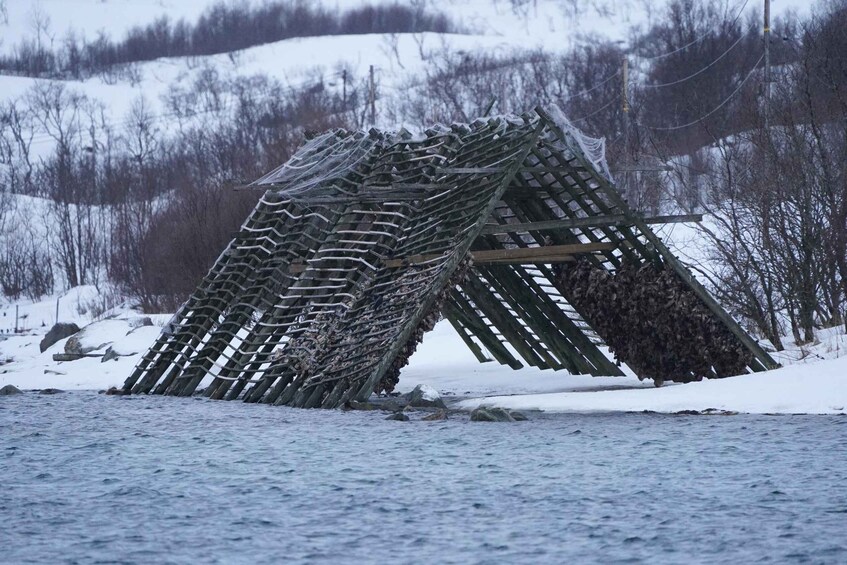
point(372, 96)
point(767, 37)
point(344, 89)
point(625, 102)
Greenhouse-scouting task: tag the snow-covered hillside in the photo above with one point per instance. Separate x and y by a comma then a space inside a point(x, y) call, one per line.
point(491, 26)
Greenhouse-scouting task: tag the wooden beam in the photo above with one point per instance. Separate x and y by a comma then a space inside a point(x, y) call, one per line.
point(546, 254)
point(540, 169)
point(589, 222)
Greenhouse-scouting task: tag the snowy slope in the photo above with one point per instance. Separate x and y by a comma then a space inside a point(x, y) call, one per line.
point(493, 26)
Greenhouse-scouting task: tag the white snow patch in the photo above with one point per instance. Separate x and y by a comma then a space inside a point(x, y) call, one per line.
point(429, 393)
point(819, 388)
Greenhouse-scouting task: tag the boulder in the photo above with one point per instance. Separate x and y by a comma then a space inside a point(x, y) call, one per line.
point(491, 415)
point(399, 417)
point(141, 322)
point(501, 414)
point(437, 416)
point(481, 415)
point(56, 333)
point(96, 336)
point(115, 391)
point(393, 405)
point(424, 396)
point(9, 390)
point(50, 391)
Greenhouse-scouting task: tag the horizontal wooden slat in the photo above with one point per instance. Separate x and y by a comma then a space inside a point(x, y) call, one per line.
point(547, 254)
point(590, 222)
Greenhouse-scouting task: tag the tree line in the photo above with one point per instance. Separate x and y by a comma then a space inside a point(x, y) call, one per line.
point(143, 206)
point(222, 28)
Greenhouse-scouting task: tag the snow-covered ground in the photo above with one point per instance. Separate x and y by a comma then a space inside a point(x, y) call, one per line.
point(807, 385)
point(814, 388)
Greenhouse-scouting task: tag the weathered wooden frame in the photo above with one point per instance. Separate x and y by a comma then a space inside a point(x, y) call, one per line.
point(332, 277)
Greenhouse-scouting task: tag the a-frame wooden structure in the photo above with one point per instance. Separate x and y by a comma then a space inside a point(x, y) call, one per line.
point(363, 239)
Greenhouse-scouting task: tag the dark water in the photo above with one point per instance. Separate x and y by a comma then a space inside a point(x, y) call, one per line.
point(88, 479)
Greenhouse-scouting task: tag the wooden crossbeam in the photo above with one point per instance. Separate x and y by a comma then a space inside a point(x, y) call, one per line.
point(516, 256)
point(589, 222)
point(539, 169)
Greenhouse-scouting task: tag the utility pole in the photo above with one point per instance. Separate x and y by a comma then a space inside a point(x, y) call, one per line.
point(344, 89)
point(765, 162)
point(625, 101)
point(767, 35)
point(372, 96)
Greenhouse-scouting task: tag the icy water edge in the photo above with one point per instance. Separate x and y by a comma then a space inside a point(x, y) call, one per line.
point(88, 479)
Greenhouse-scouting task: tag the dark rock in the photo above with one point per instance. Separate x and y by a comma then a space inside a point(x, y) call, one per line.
point(356, 405)
point(718, 412)
point(81, 343)
point(481, 415)
point(399, 417)
point(9, 390)
point(51, 391)
point(491, 415)
point(115, 391)
point(392, 406)
point(145, 321)
point(110, 355)
point(424, 396)
point(501, 414)
point(440, 415)
point(518, 416)
point(58, 357)
point(687, 413)
point(56, 333)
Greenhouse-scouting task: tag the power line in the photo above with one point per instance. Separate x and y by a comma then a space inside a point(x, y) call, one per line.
point(598, 110)
point(701, 71)
point(721, 105)
point(696, 40)
point(593, 88)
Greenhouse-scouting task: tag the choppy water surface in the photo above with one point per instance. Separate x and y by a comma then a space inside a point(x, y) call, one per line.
point(89, 478)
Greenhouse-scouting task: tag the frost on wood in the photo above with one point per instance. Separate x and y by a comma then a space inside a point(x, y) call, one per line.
point(364, 239)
